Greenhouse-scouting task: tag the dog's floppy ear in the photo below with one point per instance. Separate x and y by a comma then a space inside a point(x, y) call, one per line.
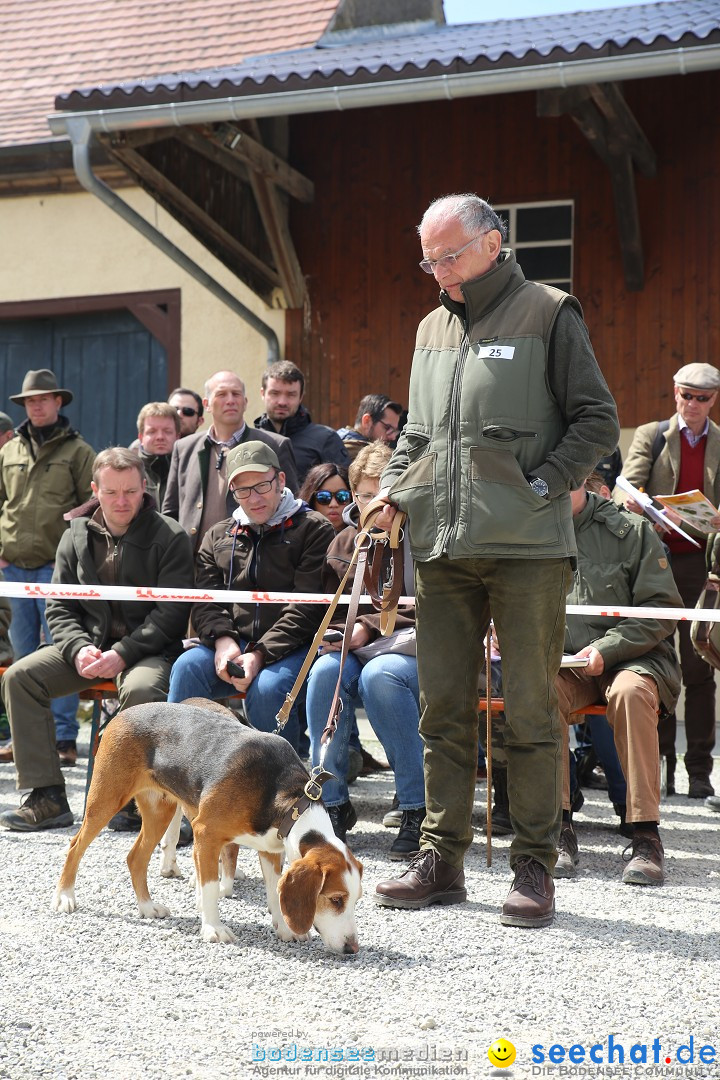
point(298, 889)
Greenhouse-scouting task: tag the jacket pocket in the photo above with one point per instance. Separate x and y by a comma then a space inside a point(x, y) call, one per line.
point(415, 493)
point(502, 507)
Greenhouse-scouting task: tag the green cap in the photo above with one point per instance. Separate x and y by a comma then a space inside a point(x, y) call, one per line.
point(252, 456)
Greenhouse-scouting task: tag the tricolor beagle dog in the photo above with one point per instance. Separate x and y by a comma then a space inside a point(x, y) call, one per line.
point(237, 786)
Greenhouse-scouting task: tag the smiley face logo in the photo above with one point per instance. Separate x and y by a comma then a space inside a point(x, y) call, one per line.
point(501, 1053)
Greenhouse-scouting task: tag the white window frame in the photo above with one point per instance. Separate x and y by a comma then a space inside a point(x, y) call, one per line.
point(510, 210)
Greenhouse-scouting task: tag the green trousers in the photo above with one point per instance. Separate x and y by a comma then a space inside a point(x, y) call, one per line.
point(31, 683)
point(455, 601)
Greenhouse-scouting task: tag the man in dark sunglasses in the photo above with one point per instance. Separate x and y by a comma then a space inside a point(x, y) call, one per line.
point(189, 407)
point(665, 457)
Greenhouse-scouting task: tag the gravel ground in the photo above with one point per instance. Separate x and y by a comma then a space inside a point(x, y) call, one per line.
point(103, 994)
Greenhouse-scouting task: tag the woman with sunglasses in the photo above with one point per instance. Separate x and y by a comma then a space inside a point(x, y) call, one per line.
point(326, 488)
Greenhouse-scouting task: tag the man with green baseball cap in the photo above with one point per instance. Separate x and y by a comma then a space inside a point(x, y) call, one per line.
point(272, 543)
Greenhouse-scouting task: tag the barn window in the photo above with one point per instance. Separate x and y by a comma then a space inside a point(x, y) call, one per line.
point(541, 235)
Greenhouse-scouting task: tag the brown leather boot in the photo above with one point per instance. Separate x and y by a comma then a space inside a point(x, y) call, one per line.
point(427, 880)
point(531, 901)
point(645, 860)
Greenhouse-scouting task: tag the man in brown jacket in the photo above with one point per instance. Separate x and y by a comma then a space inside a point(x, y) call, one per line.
point(196, 493)
point(274, 543)
point(666, 457)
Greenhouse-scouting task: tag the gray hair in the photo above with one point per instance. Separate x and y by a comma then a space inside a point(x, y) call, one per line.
point(474, 214)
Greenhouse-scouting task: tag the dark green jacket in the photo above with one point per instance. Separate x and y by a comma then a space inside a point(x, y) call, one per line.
point(502, 387)
point(38, 484)
point(154, 551)
point(622, 562)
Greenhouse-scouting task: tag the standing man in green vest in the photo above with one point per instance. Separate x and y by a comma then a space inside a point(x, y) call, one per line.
point(666, 457)
point(508, 413)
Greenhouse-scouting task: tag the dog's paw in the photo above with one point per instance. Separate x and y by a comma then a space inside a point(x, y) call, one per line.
point(64, 902)
point(150, 910)
point(172, 870)
point(219, 932)
point(284, 932)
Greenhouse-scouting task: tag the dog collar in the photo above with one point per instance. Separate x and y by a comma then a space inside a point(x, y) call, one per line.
point(312, 794)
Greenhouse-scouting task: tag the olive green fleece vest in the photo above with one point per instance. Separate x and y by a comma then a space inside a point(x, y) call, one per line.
point(482, 420)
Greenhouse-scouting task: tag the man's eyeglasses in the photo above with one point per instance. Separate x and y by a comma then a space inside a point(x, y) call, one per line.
point(389, 429)
point(241, 493)
point(687, 396)
point(446, 262)
point(324, 498)
point(364, 497)
point(185, 410)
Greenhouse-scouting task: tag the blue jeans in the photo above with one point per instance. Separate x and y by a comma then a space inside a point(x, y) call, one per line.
point(388, 688)
point(28, 620)
point(603, 743)
point(193, 675)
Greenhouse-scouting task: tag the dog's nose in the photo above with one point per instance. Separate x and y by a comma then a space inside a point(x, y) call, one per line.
point(351, 945)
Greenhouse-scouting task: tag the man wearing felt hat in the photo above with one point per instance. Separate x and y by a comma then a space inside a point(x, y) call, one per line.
point(273, 543)
point(7, 429)
point(44, 471)
point(665, 457)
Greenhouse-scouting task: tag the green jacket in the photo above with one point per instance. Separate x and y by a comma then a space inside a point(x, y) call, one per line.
point(155, 550)
point(38, 484)
point(622, 562)
point(6, 653)
point(503, 387)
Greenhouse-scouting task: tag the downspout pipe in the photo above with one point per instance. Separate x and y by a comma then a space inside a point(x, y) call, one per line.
point(80, 132)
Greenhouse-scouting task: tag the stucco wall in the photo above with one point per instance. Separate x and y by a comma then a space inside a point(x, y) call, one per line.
point(73, 245)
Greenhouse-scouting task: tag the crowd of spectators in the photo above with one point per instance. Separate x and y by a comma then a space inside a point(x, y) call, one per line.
point(203, 498)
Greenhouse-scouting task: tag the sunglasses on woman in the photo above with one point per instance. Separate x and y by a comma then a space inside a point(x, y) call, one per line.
point(324, 498)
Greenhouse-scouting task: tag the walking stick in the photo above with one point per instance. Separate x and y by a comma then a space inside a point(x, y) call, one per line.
point(488, 742)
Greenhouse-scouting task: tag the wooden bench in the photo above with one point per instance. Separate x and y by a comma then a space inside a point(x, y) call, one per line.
point(497, 705)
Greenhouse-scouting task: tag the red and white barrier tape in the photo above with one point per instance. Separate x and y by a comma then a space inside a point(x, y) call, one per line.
point(39, 591)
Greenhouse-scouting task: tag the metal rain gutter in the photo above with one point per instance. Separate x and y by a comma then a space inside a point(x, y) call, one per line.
point(395, 92)
point(80, 132)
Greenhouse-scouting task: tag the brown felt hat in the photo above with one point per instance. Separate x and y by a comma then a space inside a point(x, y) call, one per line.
point(39, 382)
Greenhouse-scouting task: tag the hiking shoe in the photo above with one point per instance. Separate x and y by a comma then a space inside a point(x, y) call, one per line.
point(645, 860)
point(371, 764)
point(127, 819)
point(343, 817)
point(567, 849)
point(427, 880)
point(42, 808)
point(713, 803)
point(407, 841)
point(393, 818)
point(185, 837)
point(67, 752)
point(699, 787)
point(531, 900)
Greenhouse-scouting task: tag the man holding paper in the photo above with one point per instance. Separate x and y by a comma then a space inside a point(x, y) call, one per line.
point(682, 454)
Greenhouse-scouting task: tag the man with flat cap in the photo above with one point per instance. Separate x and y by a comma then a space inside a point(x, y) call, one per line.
point(273, 542)
point(44, 471)
point(666, 457)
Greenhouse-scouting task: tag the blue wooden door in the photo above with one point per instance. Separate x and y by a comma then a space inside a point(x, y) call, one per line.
point(109, 361)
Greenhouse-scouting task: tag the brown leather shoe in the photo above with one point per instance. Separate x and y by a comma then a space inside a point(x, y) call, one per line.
point(6, 753)
point(427, 880)
point(67, 752)
point(531, 901)
point(645, 861)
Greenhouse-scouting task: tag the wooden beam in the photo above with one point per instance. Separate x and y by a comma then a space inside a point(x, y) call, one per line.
point(262, 161)
point(139, 137)
point(626, 209)
point(623, 128)
point(274, 219)
point(602, 114)
point(174, 198)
